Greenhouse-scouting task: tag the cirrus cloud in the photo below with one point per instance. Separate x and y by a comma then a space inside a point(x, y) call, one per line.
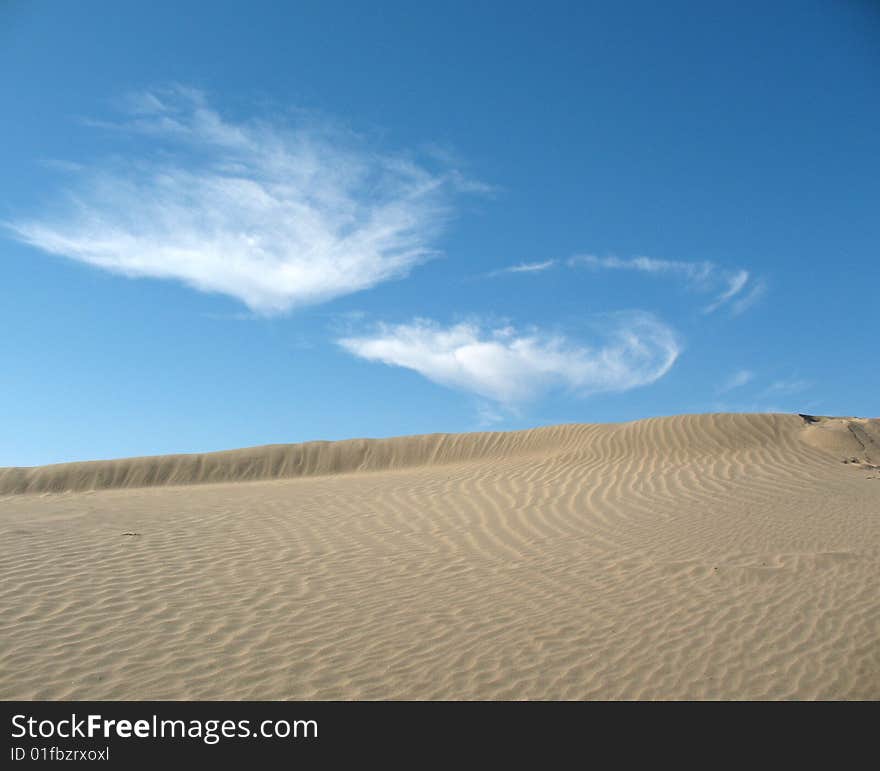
point(510, 366)
point(274, 215)
point(737, 287)
point(705, 276)
point(737, 380)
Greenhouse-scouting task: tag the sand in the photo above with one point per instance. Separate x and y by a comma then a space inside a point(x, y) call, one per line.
point(694, 557)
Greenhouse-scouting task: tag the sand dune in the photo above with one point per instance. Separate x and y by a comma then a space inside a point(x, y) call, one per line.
point(700, 556)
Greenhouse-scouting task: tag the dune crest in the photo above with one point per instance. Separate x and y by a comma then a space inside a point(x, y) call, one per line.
point(857, 440)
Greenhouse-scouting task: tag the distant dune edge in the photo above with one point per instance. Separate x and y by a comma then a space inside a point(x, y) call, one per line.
point(855, 440)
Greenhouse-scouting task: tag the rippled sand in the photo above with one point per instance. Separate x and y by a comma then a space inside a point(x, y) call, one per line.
point(711, 556)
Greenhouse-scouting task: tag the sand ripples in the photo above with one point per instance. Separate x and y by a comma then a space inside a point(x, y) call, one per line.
point(723, 556)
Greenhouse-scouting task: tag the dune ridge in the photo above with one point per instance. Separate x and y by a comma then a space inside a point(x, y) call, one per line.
point(854, 437)
point(722, 556)
point(280, 461)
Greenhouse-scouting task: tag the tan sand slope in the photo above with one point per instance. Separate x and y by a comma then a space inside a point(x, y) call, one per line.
point(702, 556)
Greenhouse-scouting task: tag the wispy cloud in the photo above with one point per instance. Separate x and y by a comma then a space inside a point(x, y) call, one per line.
point(785, 395)
point(756, 291)
point(734, 286)
point(704, 276)
point(58, 164)
point(693, 271)
point(525, 267)
point(511, 367)
point(272, 214)
point(736, 380)
point(786, 387)
point(489, 415)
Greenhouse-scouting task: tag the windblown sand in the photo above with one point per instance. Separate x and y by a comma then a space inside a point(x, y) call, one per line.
point(694, 557)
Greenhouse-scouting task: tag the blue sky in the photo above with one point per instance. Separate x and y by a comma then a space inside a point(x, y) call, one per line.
point(274, 222)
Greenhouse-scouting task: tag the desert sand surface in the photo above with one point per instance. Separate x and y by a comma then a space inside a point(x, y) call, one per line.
point(724, 556)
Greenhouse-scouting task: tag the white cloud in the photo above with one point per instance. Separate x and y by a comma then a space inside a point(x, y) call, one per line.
point(735, 284)
point(694, 271)
point(525, 267)
point(736, 380)
point(756, 292)
point(57, 164)
point(488, 415)
point(704, 276)
point(510, 367)
point(276, 216)
point(792, 386)
point(530, 267)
